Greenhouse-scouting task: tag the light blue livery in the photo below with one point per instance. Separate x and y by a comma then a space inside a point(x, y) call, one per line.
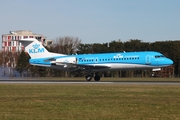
point(94, 62)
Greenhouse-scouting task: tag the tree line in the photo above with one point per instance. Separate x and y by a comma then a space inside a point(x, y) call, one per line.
point(71, 45)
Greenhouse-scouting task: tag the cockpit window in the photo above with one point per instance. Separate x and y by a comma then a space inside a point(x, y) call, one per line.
point(162, 56)
point(159, 56)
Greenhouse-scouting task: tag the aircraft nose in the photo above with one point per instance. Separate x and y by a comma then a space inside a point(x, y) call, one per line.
point(169, 61)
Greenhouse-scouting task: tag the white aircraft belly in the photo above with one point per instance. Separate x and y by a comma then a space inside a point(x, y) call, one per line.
point(130, 66)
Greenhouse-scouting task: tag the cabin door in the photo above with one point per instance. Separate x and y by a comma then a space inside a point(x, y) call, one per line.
point(148, 60)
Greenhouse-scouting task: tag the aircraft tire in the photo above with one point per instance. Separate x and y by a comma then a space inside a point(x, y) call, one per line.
point(88, 77)
point(97, 78)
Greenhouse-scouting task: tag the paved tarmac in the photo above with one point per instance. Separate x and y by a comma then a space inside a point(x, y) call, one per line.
point(7, 81)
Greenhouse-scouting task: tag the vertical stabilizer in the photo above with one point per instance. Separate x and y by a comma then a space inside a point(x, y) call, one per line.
point(35, 49)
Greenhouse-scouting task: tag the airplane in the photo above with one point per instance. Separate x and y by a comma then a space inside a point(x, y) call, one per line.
point(93, 63)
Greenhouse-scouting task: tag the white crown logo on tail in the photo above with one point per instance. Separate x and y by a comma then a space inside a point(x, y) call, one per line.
point(36, 49)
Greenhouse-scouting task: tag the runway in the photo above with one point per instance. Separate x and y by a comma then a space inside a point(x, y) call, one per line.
point(89, 82)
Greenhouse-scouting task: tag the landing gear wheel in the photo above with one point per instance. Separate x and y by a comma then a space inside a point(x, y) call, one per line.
point(97, 78)
point(88, 77)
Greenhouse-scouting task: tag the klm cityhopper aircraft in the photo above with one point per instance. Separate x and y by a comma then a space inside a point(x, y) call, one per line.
point(94, 62)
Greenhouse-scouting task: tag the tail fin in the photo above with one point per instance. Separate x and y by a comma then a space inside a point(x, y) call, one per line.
point(35, 49)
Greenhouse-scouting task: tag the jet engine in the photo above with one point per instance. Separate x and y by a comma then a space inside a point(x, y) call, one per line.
point(64, 61)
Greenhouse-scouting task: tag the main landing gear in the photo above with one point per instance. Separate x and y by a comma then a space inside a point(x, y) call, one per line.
point(96, 77)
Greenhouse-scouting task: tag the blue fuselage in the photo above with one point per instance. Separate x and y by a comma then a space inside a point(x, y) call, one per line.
point(127, 60)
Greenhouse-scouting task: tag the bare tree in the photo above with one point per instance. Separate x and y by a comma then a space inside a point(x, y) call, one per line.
point(66, 45)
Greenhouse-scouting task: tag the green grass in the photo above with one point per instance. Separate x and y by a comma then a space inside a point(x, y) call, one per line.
point(89, 102)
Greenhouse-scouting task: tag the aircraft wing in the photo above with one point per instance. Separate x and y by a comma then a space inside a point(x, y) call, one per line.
point(85, 67)
point(93, 66)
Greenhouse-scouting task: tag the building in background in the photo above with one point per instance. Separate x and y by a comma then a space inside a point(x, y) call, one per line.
point(10, 41)
point(11, 48)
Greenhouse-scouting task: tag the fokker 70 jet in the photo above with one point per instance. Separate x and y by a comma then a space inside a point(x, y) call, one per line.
point(93, 63)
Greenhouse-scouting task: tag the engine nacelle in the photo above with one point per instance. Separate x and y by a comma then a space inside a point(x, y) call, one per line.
point(62, 61)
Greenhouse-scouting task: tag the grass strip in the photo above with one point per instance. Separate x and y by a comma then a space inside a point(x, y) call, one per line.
point(89, 101)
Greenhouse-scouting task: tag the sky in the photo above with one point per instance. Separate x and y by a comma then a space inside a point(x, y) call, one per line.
point(94, 21)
